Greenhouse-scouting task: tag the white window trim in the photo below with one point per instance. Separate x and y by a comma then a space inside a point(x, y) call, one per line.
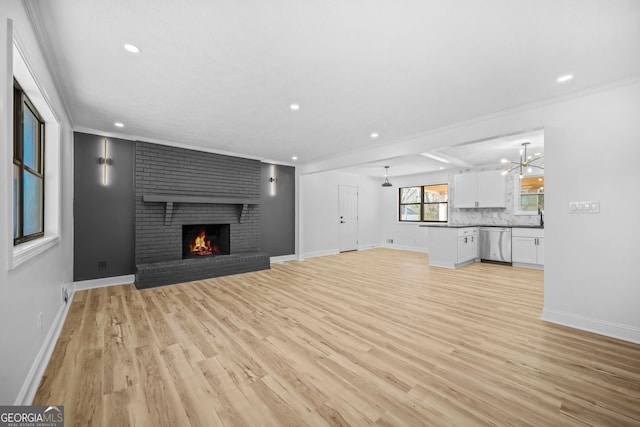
point(516, 198)
point(20, 69)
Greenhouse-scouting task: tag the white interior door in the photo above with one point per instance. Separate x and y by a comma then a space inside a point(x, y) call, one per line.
point(348, 201)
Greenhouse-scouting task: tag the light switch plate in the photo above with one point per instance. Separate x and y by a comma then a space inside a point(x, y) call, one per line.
point(584, 207)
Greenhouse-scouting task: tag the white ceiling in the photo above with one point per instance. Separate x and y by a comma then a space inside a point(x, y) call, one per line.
point(471, 155)
point(221, 75)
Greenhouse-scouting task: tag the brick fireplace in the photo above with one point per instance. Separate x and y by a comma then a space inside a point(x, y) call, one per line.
point(176, 189)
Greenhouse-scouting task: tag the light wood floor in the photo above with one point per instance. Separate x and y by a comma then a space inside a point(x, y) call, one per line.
point(371, 337)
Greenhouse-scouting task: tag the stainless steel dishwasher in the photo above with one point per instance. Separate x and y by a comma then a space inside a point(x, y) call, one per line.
point(495, 244)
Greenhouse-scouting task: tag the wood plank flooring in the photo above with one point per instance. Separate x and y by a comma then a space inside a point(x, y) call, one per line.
point(362, 338)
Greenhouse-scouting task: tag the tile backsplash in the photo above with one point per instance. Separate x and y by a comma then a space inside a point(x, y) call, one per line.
point(488, 216)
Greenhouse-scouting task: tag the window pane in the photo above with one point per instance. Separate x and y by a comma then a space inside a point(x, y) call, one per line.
point(16, 201)
point(32, 204)
point(436, 193)
point(410, 195)
point(531, 202)
point(410, 212)
point(532, 193)
point(435, 212)
point(30, 140)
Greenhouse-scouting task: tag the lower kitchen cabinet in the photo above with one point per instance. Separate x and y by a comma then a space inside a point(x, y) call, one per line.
point(452, 247)
point(527, 247)
point(468, 246)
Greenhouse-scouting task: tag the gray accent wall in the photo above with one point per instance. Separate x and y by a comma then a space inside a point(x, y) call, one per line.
point(107, 241)
point(103, 215)
point(278, 209)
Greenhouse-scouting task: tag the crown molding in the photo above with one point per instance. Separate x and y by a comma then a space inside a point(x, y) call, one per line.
point(35, 17)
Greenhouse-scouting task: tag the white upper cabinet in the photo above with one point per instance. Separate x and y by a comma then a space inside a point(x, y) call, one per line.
point(465, 190)
point(480, 190)
point(491, 190)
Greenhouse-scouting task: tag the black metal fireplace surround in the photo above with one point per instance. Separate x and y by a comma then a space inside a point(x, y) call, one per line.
point(203, 240)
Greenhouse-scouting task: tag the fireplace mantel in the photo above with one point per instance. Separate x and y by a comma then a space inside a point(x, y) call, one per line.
point(170, 199)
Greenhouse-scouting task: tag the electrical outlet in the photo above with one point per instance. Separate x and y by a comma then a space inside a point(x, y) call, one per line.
point(65, 294)
point(102, 265)
point(390, 241)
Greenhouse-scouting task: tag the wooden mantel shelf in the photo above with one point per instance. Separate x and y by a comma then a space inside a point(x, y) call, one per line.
point(170, 199)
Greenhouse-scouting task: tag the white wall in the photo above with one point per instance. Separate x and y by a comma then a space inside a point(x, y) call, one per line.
point(404, 235)
point(35, 286)
point(592, 143)
point(592, 146)
point(319, 217)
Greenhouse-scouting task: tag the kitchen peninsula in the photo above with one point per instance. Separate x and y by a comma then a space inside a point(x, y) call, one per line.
point(454, 246)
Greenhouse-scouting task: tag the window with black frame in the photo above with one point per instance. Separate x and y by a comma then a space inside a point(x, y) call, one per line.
point(426, 203)
point(28, 169)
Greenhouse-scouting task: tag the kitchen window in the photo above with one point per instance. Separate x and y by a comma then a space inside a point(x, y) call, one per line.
point(36, 226)
point(529, 195)
point(426, 203)
point(28, 169)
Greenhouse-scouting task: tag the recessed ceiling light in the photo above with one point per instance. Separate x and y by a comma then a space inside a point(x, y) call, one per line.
point(441, 167)
point(132, 48)
point(118, 124)
point(564, 78)
point(294, 107)
point(374, 135)
point(294, 157)
point(537, 154)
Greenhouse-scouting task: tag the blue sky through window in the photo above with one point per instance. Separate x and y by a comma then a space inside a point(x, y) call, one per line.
point(32, 204)
point(29, 139)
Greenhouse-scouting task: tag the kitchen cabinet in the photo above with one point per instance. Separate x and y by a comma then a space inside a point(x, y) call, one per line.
point(467, 245)
point(452, 247)
point(479, 190)
point(527, 247)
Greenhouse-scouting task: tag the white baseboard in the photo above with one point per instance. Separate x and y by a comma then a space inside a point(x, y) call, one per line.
point(367, 247)
point(32, 381)
point(609, 329)
point(404, 248)
point(527, 265)
point(363, 248)
point(101, 283)
point(321, 253)
point(283, 258)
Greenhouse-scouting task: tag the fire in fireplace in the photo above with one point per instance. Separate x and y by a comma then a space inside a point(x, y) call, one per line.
point(205, 240)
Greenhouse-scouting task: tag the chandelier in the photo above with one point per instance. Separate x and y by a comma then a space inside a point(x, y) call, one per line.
point(526, 162)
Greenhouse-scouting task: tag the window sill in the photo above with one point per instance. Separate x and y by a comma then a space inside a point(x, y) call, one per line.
point(423, 222)
point(24, 252)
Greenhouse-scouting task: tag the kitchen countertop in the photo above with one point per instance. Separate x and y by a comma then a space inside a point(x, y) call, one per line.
point(481, 225)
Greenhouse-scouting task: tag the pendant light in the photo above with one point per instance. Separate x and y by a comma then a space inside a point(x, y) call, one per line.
point(386, 182)
point(526, 162)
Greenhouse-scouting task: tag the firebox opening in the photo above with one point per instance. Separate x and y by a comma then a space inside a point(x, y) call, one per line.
point(201, 240)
